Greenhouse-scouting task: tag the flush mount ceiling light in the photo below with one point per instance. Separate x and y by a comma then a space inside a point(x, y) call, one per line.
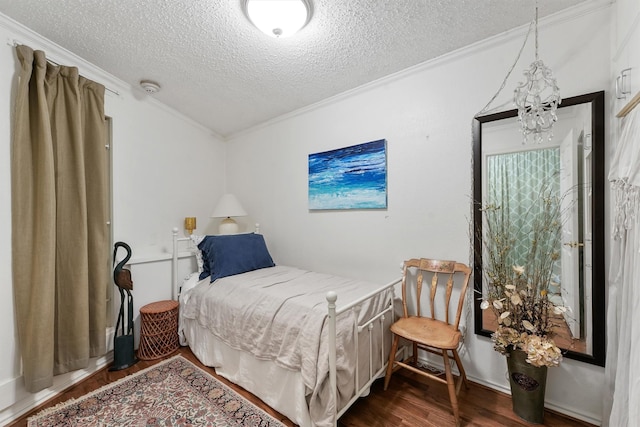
point(278, 18)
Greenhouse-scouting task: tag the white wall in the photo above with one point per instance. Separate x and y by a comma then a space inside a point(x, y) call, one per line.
point(158, 180)
point(425, 114)
point(626, 47)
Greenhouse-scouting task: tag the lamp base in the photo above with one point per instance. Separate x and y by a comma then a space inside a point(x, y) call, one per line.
point(228, 226)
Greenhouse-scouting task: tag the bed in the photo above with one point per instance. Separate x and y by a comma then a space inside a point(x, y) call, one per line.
point(308, 344)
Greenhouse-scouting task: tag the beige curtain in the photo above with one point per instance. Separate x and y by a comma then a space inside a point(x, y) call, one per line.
point(59, 206)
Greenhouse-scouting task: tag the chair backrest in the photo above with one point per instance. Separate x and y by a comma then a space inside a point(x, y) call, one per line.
point(438, 268)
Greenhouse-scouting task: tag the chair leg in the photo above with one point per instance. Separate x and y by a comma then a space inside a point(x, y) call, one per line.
point(414, 357)
point(392, 358)
point(451, 386)
point(463, 374)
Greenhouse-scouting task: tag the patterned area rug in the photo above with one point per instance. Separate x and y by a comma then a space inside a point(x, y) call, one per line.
point(172, 392)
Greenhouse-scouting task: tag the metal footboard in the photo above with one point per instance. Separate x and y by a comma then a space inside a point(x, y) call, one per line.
point(380, 317)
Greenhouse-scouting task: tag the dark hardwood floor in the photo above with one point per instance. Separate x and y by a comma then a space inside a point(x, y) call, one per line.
point(410, 401)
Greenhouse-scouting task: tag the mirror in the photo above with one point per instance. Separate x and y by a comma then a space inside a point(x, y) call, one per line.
point(574, 156)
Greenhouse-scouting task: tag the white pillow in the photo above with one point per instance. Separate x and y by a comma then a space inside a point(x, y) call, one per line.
point(196, 240)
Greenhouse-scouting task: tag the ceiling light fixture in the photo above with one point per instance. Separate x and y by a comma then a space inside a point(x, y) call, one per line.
point(537, 99)
point(278, 18)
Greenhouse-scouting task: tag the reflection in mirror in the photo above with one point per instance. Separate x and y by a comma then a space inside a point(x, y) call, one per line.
point(572, 162)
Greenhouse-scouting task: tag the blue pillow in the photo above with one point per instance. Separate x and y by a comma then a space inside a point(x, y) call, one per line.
point(234, 254)
point(207, 256)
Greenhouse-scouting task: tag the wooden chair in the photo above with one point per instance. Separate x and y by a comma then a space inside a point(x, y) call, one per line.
point(435, 334)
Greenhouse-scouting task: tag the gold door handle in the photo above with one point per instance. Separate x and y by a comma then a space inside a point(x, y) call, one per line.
point(574, 244)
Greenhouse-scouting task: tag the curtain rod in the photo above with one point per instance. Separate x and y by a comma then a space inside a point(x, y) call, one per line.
point(15, 43)
point(630, 106)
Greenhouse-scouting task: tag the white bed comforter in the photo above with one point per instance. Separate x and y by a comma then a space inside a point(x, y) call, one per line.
point(278, 314)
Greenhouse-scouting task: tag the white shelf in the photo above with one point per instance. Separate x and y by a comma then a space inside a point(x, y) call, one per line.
point(159, 258)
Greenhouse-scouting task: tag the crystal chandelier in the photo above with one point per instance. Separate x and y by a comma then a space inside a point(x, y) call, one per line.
point(537, 99)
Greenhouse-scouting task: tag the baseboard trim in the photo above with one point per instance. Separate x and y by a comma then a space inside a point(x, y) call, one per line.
point(16, 401)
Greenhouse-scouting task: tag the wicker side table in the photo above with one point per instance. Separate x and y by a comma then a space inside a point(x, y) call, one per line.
point(158, 329)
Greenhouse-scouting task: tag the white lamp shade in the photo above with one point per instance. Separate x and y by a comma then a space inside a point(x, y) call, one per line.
point(278, 18)
point(228, 206)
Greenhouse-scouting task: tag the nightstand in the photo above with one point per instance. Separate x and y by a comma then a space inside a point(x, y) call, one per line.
point(158, 329)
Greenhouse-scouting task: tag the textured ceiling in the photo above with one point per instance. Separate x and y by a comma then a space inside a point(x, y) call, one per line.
point(217, 69)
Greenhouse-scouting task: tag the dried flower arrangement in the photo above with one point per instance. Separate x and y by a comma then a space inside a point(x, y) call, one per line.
point(517, 286)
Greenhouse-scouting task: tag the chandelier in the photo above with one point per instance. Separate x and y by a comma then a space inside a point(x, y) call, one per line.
point(537, 99)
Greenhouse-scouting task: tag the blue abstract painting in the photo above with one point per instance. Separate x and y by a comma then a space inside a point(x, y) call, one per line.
point(349, 178)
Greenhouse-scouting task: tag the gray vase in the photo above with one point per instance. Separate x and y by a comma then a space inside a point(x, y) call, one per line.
point(528, 385)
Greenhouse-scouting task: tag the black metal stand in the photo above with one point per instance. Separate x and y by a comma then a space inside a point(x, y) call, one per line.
point(123, 351)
